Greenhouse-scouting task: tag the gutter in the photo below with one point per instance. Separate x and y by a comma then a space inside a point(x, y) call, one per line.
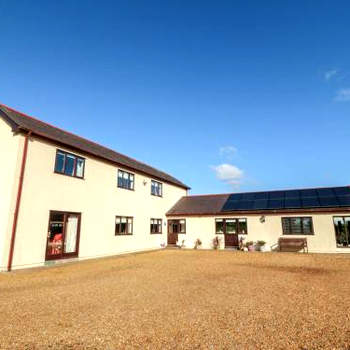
point(18, 201)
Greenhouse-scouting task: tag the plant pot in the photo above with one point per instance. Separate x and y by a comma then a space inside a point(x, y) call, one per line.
point(251, 248)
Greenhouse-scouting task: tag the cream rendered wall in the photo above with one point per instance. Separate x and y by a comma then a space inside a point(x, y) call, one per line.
point(323, 240)
point(10, 158)
point(96, 197)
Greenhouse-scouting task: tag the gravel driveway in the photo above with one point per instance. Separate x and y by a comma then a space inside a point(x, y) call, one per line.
point(180, 299)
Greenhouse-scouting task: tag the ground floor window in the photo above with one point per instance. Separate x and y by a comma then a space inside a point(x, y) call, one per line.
point(156, 225)
point(297, 226)
point(231, 226)
point(342, 230)
point(123, 225)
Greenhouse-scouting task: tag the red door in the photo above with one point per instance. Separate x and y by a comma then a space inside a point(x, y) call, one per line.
point(231, 233)
point(63, 235)
point(173, 230)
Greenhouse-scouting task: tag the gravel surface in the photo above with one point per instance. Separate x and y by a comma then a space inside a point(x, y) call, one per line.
point(180, 299)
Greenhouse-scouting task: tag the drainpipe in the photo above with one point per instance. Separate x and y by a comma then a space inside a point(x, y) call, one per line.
point(18, 201)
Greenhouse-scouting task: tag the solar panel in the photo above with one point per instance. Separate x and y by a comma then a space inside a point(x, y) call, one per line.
point(261, 195)
point(260, 204)
point(248, 196)
point(276, 204)
point(325, 192)
point(344, 200)
point(292, 194)
point(290, 199)
point(328, 201)
point(245, 205)
point(308, 193)
point(292, 203)
point(342, 191)
point(310, 202)
point(277, 195)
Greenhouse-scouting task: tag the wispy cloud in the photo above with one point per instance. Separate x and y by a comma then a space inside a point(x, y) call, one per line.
point(330, 74)
point(228, 151)
point(342, 95)
point(229, 174)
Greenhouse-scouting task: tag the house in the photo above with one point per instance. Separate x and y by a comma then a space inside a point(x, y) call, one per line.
point(65, 197)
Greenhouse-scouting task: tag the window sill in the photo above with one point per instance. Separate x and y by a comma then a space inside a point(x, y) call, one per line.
point(156, 233)
point(125, 188)
point(155, 195)
point(71, 176)
point(123, 234)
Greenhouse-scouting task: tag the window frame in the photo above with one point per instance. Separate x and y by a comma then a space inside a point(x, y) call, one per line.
point(160, 225)
point(161, 188)
point(302, 233)
point(178, 223)
point(76, 157)
point(127, 233)
point(224, 226)
point(343, 217)
point(129, 174)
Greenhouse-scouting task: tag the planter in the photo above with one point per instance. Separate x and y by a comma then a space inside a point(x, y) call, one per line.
point(264, 248)
point(251, 248)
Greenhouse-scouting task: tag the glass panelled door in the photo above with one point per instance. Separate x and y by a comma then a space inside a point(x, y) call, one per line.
point(342, 230)
point(63, 235)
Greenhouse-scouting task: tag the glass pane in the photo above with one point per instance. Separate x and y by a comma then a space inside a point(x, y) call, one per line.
point(69, 168)
point(117, 220)
point(80, 167)
point(242, 226)
point(70, 241)
point(231, 226)
point(295, 225)
point(219, 224)
point(286, 226)
point(130, 226)
point(59, 167)
point(307, 226)
point(340, 233)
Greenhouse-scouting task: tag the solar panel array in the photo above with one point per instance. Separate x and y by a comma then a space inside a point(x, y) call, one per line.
point(290, 199)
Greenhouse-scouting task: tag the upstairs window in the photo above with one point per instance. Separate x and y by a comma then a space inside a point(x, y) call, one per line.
point(156, 188)
point(69, 164)
point(123, 225)
point(156, 225)
point(125, 180)
point(297, 226)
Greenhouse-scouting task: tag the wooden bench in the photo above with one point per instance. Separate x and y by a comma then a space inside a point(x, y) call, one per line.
point(292, 244)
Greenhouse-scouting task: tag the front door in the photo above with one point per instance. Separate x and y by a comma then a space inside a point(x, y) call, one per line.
point(63, 235)
point(173, 230)
point(231, 234)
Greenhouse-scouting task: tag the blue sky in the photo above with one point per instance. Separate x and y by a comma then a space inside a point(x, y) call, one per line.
point(225, 95)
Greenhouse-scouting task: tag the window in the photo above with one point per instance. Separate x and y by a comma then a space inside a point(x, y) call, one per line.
point(69, 164)
point(156, 225)
point(231, 226)
point(297, 226)
point(177, 226)
point(156, 188)
point(125, 180)
point(342, 230)
point(123, 225)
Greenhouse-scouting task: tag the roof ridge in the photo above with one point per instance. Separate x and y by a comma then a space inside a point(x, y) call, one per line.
point(87, 140)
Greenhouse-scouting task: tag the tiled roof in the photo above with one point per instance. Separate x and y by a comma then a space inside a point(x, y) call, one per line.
point(199, 205)
point(22, 121)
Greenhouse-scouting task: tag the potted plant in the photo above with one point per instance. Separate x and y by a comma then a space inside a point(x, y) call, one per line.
point(250, 246)
point(197, 243)
point(260, 245)
point(216, 243)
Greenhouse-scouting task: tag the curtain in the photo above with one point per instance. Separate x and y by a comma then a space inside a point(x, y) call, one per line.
point(71, 234)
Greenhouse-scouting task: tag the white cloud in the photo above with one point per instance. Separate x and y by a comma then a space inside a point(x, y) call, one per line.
point(330, 74)
point(229, 174)
point(228, 151)
point(343, 95)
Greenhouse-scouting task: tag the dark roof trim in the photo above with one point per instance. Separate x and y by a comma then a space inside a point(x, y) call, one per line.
point(267, 212)
point(20, 121)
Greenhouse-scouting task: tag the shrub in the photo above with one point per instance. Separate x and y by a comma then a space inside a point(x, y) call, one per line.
point(198, 243)
point(216, 242)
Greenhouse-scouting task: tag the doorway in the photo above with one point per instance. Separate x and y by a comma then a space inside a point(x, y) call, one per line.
point(63, 235)
point(174, 228)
